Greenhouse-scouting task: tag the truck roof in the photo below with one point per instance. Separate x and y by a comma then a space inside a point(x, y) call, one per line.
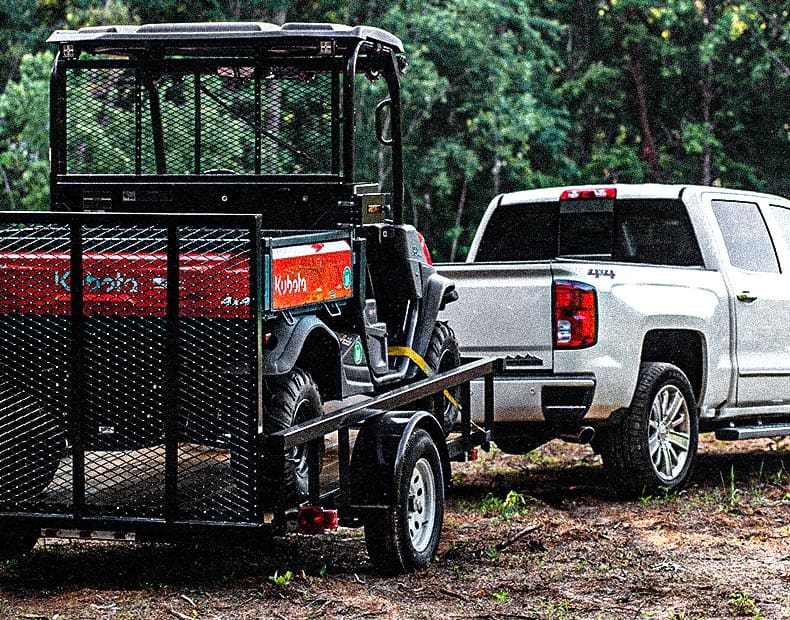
point(624, 191)
point(219, 34)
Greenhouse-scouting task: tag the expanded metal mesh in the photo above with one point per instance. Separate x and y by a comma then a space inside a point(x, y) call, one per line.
point(242, 120)
point(126, 412)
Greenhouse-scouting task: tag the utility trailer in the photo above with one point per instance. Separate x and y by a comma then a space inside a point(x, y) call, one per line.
point(186, 454)
point(210, 274)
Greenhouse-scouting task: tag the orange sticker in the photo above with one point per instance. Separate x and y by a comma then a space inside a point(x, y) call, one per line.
point(311, 273)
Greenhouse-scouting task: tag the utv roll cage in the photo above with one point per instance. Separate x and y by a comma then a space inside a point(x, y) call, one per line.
point(140, 99)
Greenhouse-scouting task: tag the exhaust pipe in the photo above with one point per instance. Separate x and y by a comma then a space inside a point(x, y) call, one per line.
point(584, 434)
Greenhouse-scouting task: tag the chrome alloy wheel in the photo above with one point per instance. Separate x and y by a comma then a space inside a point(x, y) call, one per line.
point(669, 433)
point(421, 507)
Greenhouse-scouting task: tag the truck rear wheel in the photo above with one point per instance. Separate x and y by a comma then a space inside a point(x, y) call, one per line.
point(443, 354)
point(655, 446)
point(406, 536)
point(293, 399)
point(31, 444)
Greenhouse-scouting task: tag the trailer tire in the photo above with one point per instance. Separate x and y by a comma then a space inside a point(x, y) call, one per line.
point(16, 543)
point(405, 537)
point(654, 447)
point(443, 354)
point(293, 398)
point(31, 445)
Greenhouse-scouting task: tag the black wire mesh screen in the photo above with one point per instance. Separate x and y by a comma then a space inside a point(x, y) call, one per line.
point(230, 120)
point(131, 413)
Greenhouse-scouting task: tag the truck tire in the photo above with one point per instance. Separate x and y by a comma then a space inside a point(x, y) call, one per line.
point(293, 399)
point(655, 446)
point(443, 354)
point(405, 537)
point(31, 444)
point(16, 543)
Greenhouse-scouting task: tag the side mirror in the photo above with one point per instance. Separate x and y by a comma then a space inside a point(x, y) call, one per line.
point(382, 117)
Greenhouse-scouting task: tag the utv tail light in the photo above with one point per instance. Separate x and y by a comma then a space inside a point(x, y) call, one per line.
point(424, 247)
point(575, 315)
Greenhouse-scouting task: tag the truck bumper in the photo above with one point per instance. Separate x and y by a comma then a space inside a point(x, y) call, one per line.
point(559, 401)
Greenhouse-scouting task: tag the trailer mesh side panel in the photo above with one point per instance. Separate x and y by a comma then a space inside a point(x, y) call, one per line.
point(32, 397)
point(242, 120)
point(159, 418)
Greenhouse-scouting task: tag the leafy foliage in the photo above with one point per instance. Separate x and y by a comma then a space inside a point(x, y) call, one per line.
point(499, 95)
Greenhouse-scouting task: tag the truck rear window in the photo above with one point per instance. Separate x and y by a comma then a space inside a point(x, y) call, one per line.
point(647, 231)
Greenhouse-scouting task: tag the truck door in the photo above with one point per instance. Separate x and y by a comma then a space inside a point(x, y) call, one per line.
point(761, 287)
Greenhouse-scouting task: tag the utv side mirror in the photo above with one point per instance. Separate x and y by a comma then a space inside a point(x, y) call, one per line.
point(382, 120)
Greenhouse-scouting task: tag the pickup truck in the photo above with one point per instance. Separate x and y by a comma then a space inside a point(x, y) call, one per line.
point(632, 317)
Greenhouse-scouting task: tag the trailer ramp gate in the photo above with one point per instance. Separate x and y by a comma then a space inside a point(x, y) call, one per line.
point(130, 368)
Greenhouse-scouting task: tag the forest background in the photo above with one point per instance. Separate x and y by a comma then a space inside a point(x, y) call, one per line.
point(499, 94)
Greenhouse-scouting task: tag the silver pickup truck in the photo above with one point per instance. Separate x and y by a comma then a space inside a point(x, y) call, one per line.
point(632, 317)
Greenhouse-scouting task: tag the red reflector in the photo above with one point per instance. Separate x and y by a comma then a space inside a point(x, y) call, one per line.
point(575, 315)
point(590, 193)
point(474, 454)
point(316, 520)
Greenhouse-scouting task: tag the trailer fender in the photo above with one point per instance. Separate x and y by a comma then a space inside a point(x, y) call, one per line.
point(310, 335)
point(379, 450)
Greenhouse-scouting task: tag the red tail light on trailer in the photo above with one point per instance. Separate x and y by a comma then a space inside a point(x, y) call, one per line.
point(575, 315)
point(316, 520)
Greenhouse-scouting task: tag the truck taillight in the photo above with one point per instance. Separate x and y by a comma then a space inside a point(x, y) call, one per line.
point(575, 315)
point(589, 193)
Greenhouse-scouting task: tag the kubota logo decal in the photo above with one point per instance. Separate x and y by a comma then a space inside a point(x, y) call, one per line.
point(96, 284)
point(286, 285)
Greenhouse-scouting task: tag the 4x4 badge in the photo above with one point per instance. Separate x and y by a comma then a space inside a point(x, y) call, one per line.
point(601, 272)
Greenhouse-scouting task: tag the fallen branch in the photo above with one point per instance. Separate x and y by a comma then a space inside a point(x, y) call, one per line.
point(457, 595)
point(516, 537)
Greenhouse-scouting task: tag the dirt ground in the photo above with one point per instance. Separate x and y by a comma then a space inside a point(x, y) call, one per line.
point(536, 536)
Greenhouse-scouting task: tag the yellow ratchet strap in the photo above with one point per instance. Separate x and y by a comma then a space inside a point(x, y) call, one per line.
point(422, 365)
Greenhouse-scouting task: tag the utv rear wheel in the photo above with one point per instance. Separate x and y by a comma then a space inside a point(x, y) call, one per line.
point(443, 354)
point(406, 536)
point(31, 444)
point(293, 399)
point(655, 446)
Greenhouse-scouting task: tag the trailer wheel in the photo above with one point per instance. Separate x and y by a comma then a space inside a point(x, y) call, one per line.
point(443, 354)
point(16, 543)
point(293, 398)
point(406, 536)
point(31, 444)
point(655, 446)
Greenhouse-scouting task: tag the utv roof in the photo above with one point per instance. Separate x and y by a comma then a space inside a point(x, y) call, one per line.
point(218, 34)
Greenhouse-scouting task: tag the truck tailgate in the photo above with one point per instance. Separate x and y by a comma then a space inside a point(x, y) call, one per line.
point(503, 310)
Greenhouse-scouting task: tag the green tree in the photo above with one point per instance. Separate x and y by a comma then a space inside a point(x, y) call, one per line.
point(480, 112)
point(24, 137)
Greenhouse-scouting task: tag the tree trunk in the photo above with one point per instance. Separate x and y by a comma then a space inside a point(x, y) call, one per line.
point(707, 104)
point(648, 144)
point(459, 212)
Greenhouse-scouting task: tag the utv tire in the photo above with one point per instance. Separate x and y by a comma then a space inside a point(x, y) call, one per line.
point(31, 444)
point(443, 354)
point(293, 399)
point(16, 543)
point(405, 537)
point(655, 446)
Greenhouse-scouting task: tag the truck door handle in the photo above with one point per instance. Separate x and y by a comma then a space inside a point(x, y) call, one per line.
point(745, 297)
